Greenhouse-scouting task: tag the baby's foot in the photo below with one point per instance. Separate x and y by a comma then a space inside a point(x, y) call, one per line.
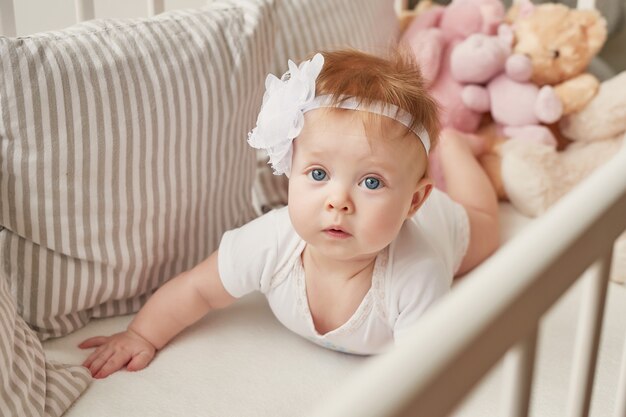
point(476, 143)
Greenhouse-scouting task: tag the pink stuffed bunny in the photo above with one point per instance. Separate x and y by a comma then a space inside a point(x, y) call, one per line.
point(433, 34)
point(517, 105)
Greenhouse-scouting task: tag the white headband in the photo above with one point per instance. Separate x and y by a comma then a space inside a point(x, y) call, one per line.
point(376, 107)
point(281, 118)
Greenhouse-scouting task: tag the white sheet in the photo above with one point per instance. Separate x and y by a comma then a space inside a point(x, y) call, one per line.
point(241, 362)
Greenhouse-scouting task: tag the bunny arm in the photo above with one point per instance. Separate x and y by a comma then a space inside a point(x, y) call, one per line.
point(476, 98)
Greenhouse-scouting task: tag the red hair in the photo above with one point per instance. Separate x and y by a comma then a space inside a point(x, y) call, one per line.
point(396, 80)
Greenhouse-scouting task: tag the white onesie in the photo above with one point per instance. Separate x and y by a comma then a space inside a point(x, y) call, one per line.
point(409, 275)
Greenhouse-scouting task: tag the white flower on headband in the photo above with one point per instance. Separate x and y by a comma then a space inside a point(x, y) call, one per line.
point(281, 117)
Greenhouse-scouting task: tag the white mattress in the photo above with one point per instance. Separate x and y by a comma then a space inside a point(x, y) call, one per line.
point(241, 362)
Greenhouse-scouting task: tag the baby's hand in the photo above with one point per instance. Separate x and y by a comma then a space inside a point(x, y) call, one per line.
point(114, 352)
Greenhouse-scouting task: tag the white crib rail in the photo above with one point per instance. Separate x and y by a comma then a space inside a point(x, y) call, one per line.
point(497, 307)
point(85, 10)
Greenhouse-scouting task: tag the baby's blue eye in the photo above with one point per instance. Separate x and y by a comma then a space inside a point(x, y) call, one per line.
point(318, 174)
point(372, 183)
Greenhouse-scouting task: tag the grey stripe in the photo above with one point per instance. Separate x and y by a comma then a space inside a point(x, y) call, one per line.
point(6, 353)
point(92, 107)
point(296, 43)
point(48, 200)
point(25, 359)
point(58, 166)
point(162, 120)
point(121, 193)
point(68, 281)
point(322, 16)
point(28, 404)
point(184, 126)
point(147, 87)
point(135, 191)
point(219, 102)
point(156, 81)
point(124, 187)
point(11, 81)
point(15, 82)
point(212, 201)
point(58, 392)
point(352, 31)
point(225, 186)
point(211, 117)
point(200, 191)
point(106, 122)
point(169, 139)
point(30, 282)
point(370, 17)
point(194, 165)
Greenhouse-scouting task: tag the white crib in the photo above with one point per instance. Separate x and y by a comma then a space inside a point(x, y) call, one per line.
point(494, 313)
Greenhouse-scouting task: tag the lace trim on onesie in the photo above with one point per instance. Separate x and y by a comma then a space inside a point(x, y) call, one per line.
point(373, 297)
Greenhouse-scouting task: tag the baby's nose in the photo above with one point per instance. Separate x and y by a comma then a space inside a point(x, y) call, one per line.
point(340, 201)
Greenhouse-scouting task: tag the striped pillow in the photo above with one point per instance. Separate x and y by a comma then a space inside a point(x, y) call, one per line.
point(29, 385)
point(306, 26)
point(123, 155)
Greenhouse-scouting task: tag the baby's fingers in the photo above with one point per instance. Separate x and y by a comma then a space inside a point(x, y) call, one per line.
point(93, 342)
point(99, 360)
point(115, 363)
point(140, 361)
point(94, 355)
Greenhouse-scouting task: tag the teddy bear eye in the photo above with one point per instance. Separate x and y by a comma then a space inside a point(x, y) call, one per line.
point(555, 53)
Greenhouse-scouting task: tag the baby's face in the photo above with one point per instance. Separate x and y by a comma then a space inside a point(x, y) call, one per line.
point(350, 189)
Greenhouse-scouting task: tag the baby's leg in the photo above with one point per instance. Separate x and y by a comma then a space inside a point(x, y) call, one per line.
point(468, 185)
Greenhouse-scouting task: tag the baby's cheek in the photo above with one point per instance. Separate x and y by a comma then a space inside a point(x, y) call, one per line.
point(384, 229)
point(299, 212)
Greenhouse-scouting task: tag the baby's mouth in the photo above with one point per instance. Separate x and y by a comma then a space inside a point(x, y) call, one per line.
point(336, 232)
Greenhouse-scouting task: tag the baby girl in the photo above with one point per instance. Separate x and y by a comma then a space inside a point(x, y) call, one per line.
point(365, 245)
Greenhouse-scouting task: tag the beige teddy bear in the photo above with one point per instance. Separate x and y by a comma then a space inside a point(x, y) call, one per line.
point(535, 176)
point(560, 42)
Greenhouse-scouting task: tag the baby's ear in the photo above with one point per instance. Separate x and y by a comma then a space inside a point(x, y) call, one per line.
point(422, 191)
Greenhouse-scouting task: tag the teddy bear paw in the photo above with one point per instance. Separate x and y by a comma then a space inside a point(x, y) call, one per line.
point(531, 133)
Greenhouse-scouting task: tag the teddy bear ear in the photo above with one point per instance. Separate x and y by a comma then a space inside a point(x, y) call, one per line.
point(520, 9)
point(594, 26)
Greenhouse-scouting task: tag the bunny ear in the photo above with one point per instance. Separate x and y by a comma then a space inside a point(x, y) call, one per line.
point(505, 34)
point(526, 8)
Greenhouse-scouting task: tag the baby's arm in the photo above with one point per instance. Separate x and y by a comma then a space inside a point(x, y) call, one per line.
point(468, 185)
point(177, 304)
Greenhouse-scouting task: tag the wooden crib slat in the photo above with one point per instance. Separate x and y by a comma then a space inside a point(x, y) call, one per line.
point(519, 365)
point(588, 337)
point(401, 5)
point(155, 7)
point(620, 403)
point(85, 10)
point(7, 18)
point(586, 4)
